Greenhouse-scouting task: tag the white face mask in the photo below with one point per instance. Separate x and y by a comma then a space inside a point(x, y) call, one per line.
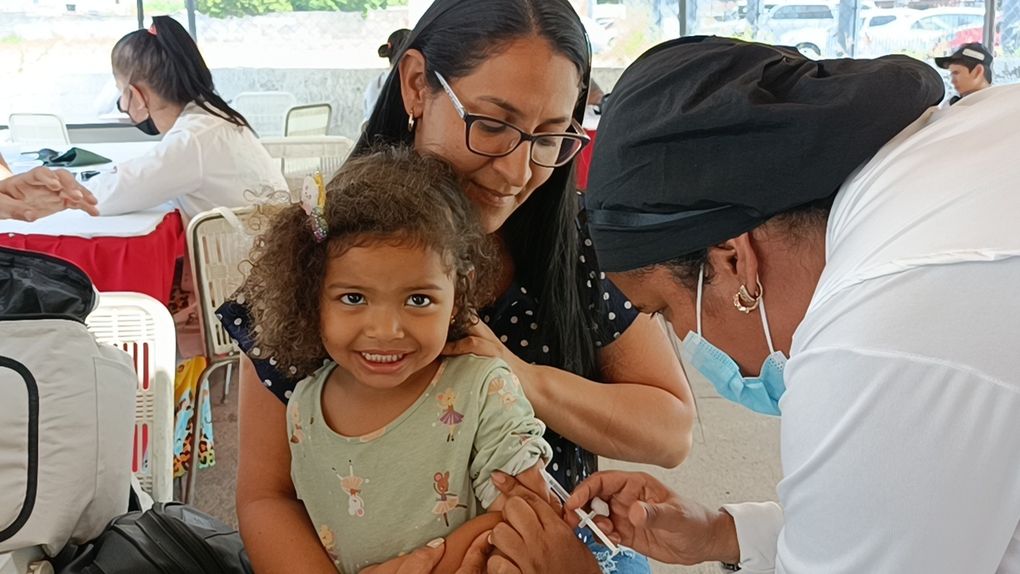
point(760, 394)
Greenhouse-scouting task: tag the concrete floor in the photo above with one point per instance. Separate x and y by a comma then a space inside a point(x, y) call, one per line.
point(735, 458)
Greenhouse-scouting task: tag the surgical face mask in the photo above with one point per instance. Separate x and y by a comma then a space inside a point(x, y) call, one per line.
point(760, 394)
point(146, 126)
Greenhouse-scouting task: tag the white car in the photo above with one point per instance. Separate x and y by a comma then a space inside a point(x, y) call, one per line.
point(800, 16)
point(810, 26)
point(917, 33)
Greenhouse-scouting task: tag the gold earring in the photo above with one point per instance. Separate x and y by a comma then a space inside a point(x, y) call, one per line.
point(410, 123)
point(744, 301)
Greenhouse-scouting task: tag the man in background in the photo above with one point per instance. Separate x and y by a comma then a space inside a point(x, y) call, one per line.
point(970, 69)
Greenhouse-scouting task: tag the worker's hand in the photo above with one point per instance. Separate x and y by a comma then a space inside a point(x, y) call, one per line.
point(649, 517)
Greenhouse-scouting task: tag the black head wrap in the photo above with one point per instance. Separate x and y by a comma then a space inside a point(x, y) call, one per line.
point(706, 138)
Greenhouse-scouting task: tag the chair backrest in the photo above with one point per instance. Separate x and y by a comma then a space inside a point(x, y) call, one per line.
point(142, 326)
point(309, 120)
point(37, 129)
point(303, 156)
point(265, 111)
point(218, 246)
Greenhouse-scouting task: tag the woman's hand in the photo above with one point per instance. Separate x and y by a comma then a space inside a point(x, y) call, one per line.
point(530, 481)
point(424, 559)
point(41, 192)
point(534, 539)
point(481, 341)
point(649, 517)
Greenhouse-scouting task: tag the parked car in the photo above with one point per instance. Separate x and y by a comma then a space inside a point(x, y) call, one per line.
point(918, 34)
point(799, 16)
point(810, 25)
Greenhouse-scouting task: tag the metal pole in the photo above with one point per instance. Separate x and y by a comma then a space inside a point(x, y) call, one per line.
point(191, 19)
point(140, 9)
point(989, 38)
point(682, 14)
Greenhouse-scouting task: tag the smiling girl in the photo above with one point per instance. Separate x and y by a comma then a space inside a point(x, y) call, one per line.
point(392, 445)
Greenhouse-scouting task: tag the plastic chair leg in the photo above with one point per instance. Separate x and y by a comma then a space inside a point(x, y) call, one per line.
point(190, 476)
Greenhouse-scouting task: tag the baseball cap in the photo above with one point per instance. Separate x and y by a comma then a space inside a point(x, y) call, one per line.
point(972, 52)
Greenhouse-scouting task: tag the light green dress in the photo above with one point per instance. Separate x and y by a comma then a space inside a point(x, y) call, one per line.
point(421, 476)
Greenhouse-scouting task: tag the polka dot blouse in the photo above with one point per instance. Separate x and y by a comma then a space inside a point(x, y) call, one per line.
point(513, 318)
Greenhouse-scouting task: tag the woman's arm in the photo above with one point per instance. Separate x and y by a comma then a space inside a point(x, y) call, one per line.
point(610, 420)
point(275, 528)
point(170, 170)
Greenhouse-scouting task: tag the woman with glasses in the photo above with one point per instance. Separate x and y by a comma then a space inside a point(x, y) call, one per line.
point(496, 88)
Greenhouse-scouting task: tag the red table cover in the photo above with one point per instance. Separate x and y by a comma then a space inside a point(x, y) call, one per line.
point(143, 264)
point(584, 162)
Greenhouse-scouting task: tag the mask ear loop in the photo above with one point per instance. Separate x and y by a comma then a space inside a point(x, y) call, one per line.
point(764, 319)
point(701, 286)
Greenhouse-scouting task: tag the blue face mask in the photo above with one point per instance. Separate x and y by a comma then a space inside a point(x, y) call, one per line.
point(760, 394)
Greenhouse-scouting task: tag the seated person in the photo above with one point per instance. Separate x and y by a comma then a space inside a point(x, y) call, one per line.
point(208, 157)
point(391, 444)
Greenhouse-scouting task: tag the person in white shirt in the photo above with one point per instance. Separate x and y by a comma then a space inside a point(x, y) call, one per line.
point(208, 157)
point(889, 342)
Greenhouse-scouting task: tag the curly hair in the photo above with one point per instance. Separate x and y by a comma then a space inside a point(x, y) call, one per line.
point(393, 196)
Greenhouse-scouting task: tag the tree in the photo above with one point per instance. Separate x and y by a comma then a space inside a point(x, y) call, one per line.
point(338, 5)
point(224, 8)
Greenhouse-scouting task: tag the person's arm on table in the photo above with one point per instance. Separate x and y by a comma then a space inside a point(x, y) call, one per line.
point(41, 192)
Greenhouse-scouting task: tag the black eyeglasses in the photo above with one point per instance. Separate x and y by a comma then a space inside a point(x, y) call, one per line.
point(492, 137)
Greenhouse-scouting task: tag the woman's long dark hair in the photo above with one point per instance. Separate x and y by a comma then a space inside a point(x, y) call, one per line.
point(455, 36)
point(168, 61)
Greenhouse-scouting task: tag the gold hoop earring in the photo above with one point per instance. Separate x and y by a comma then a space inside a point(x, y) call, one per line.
point(744, 301)
point(410, 123)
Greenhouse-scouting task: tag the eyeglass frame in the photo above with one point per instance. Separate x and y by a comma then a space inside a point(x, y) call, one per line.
point(470, 119)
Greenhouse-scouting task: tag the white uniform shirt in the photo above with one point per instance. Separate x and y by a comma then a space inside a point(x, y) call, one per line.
point(901, 419)
point(202, 162)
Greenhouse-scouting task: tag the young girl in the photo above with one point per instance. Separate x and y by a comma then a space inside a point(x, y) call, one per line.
point(391, 445)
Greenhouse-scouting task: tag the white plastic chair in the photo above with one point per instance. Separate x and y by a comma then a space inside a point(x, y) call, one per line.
point(30, 560)
point(303, 156)
point(218, 246)
point(142, 326)
point(37, 129)
point(265, 111)
point(308, 120)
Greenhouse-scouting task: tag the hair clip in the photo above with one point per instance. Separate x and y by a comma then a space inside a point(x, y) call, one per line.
point(313, 201)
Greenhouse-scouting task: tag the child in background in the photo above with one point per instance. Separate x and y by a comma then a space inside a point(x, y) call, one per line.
point(392, 445)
